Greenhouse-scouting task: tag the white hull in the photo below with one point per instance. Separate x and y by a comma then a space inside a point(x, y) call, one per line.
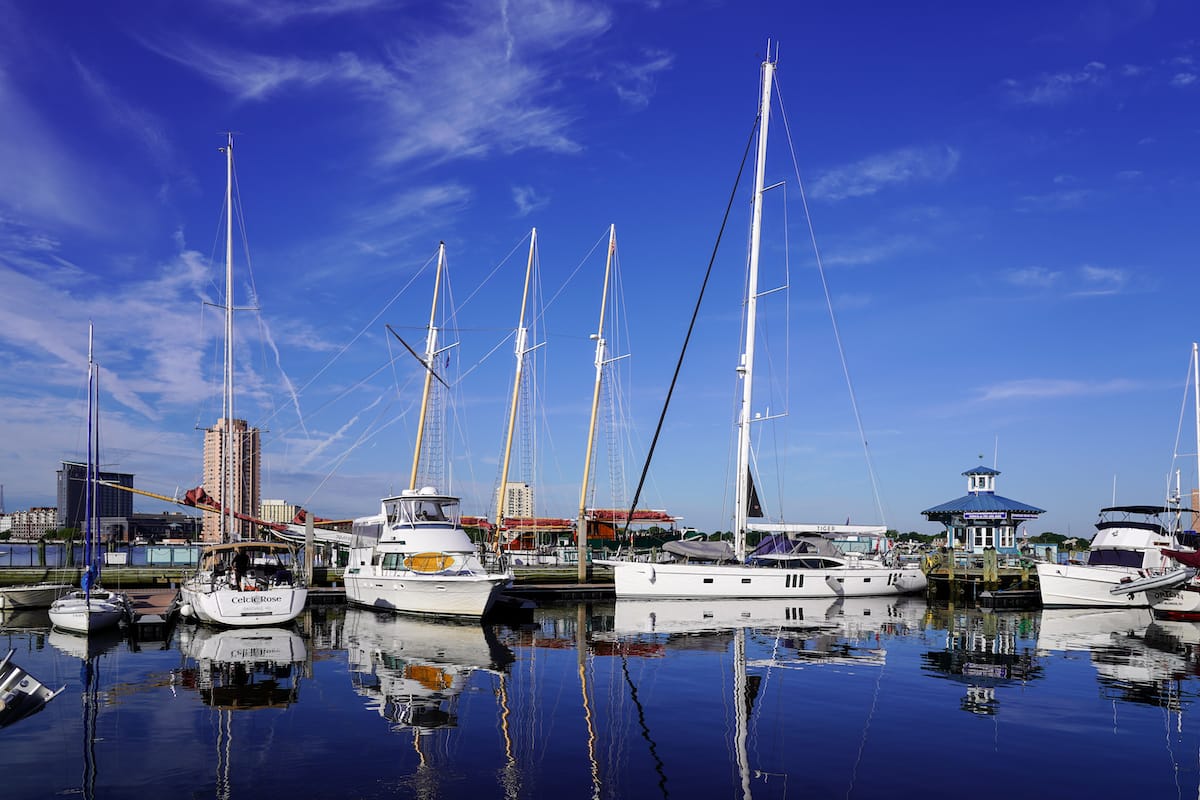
point(34, 595)
point(225, 605)
point(79, 614)
point(414, 593)
point(1179, 603)
point(683, 580)
point(1081, 585)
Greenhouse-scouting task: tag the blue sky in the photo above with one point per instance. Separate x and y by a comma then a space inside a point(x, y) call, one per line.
point(1004, 198)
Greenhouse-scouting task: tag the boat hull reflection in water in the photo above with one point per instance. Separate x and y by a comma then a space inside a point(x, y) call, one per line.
point(412, 670)
point(243, 669)
point(626, 698)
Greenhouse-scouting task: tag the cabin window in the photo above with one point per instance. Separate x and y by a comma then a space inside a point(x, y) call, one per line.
point(1120, 558)
point(393, 560)
point(369, 530)
point(708, 580)
point(866, 580)
point(745, 580)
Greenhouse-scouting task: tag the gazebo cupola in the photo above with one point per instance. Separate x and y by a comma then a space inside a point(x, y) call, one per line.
point(981, 518)
point(981, 479)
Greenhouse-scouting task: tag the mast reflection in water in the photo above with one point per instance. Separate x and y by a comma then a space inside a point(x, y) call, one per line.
point(862, 697)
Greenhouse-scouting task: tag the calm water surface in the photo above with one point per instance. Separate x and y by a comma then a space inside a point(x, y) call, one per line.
point(861, 699)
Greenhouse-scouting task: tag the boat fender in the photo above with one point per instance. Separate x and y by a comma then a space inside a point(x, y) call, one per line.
point(185, 610)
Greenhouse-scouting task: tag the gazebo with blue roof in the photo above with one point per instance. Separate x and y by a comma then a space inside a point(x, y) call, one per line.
point(981, 518)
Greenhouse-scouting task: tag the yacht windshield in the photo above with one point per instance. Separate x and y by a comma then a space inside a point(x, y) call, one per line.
point(409, 510)
point(1115, 558)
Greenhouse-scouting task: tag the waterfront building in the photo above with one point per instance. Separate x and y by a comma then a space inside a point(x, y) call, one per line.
point(34, 523)
point(110, 501)
point(982, 519)
point(518, 500)
point(246, 454)
point(277, 511)
point(167, 525)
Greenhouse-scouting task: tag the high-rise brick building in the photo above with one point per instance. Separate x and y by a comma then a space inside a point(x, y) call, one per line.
point(246, 482)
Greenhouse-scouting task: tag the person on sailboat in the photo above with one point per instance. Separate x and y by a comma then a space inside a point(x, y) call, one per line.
point(241, 562)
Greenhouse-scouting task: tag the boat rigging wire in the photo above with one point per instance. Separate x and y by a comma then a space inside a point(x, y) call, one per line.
point(691, 326)
point(837, 334)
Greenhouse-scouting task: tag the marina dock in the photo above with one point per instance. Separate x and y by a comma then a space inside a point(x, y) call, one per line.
point(984, 583)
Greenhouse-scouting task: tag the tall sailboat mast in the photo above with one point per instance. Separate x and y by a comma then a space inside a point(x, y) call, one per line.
point(522, 340)
point(89, 491)
point(431, 344)
point(1196, 401)
point(601, 352)
point(227, 498)
point(746, 367)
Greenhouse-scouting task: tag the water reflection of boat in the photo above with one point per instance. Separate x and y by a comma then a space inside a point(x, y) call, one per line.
point(1137, 658)
point(95, 644)
point(235, 669)
point(813, 625)
point(21, 694)
point(1082, 629)
point(412, 670)
point(88, 649)
point(25, 619)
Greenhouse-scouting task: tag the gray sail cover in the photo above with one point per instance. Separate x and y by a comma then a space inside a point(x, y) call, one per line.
point(709, 551)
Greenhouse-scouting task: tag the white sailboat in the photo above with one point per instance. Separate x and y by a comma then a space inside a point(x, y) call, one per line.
point(240, 583)
point(795, 561)
point(91, 607)
point(422, 561)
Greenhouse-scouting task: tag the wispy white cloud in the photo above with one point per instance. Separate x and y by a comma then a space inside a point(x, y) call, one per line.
point(1052, 388)
point(143, 126)
point(43, 179)
point(483, 85)
point(868, 253)
point(1095, 281)
point(1181, 79)
point(1055, 201)
point(878, 172)
point(1034, 277)
point(1084, 281)
point(635, 83)
point(1058, 87)
point(528, 200)
point(283, 12)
